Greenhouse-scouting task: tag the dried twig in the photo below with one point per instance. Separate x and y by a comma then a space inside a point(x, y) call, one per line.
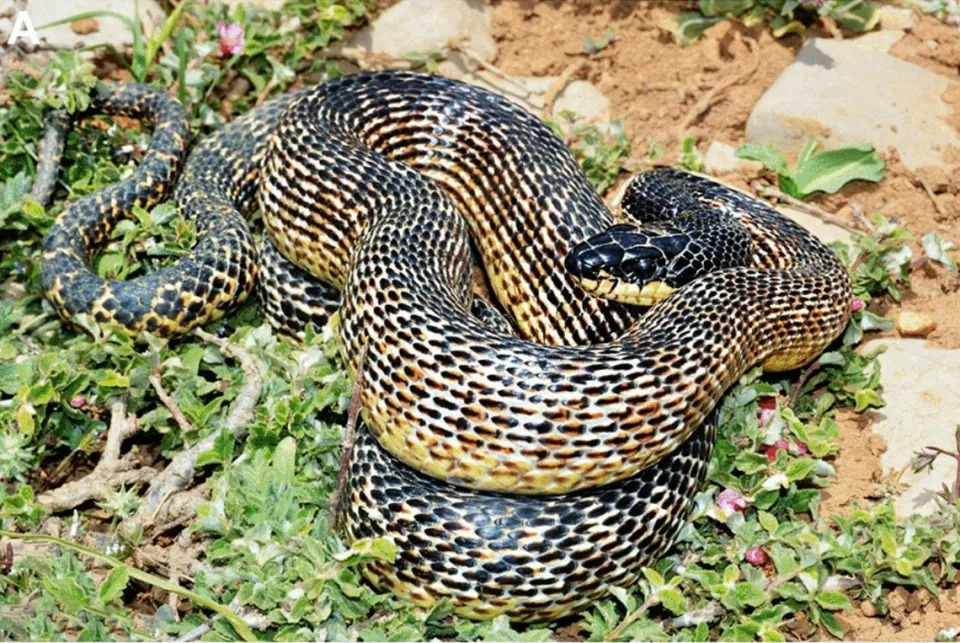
point(773, 193)
point(550, 98)
point(168, 400)
point(180, 472)
point(801, 382)
point(933, 197)
point(254, 619)
point(347, 442)
point(860, 216)
point(111, 471)
point(706, 614)
point(706, 101)
point(628, 620)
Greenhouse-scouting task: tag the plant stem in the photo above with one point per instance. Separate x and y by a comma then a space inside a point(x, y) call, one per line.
point(228, 615)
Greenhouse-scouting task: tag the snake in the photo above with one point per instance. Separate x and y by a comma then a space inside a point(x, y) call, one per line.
point(523, 454)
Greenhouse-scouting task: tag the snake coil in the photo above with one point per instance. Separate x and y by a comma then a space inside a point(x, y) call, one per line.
point(520, 467)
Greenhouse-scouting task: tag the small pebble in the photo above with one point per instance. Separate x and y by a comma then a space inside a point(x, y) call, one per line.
point(85, 26)
point(868, 609)
point(912, 324)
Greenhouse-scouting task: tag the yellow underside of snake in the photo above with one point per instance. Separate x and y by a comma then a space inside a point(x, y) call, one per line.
point(371, 189)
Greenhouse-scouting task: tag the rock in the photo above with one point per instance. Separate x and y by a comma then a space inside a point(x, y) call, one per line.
point(421, 26)
point(579, 96)
point(826, 232)
point(722, 158)
point(85, 26)
point(896, 18)
point(843, 93)
point(106, 29)
point(881, 41)
point(912, 324)
point(920, 382)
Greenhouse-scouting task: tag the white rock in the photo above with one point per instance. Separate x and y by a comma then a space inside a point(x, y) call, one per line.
point(894, 18)
point(826, 232)
point(882, 40)
point(920, 384)
point(579, 96)
point(722, 158)
point(422, 26)
point(110, 30)
point(843, 93)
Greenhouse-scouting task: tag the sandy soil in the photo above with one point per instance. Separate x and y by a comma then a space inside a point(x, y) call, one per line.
point(655, 84)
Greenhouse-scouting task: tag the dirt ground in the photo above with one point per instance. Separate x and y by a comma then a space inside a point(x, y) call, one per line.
point(654, 84)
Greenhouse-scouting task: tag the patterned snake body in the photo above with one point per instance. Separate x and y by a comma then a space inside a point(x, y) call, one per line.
point(374, 184)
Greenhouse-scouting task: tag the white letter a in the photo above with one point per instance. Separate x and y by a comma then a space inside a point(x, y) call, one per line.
point(23, 28)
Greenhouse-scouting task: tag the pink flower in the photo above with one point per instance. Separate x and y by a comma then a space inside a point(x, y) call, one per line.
point(730, 501)
point(78, 402)
point(756, 556)
point(771, 451)
point(856, 305)
point(231, 38)
point(768, 407)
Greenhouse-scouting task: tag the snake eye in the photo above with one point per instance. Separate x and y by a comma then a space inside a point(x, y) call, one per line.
point(641, 267)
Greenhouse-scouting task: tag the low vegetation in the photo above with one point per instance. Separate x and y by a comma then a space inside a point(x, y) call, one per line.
point(250, 553)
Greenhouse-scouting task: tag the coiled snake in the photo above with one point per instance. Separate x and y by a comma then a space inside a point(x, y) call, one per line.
point(373, 185)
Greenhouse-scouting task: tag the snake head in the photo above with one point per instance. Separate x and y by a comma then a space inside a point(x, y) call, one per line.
point(632, 264)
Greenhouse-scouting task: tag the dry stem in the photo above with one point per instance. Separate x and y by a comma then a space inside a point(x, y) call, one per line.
point(180, 472)
point(346, 444)
point(168, 400)
point(550, 98)
point(773, 193)
point(111, 471)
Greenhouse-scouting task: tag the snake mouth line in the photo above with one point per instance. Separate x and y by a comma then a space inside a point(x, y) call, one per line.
point(609, 287)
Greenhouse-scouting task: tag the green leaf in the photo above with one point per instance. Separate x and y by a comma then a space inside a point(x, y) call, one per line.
point(833, 601)
point(654, 577)
point(936, 247)
point(724, 7)
point(284, 458)
point(866, 398)
point(767, 154)
point(689, 26)
point(831, 170)
point(750, 594)
point(114, 584)
point(673, 600)
point(68, 593)
point(806, 152)
point(768, 521)
point(855, 15)
point(833, 626)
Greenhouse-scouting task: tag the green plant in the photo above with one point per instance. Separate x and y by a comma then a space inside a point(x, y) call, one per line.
point(594, 46)
point(821, 172)
point(783, 16)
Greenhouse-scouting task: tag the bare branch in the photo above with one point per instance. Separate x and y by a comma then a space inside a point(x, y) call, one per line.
point(347, 442)
point(773, 193)
point(111, 471)
point(168, 400)
point(180, 473)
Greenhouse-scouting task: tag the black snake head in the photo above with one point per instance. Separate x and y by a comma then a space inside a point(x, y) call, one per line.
point(632, 264)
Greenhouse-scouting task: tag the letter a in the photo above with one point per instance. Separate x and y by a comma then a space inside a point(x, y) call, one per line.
point(23, 28)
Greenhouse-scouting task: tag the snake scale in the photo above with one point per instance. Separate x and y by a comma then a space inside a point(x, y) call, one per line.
point(523, 464)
